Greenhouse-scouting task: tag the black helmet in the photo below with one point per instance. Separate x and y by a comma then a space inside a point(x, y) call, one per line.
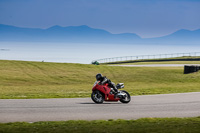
point(99, 76)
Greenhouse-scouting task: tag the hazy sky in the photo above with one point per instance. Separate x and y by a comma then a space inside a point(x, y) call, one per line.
point(147, 18)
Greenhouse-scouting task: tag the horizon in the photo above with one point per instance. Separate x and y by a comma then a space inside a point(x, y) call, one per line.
point(99, 29)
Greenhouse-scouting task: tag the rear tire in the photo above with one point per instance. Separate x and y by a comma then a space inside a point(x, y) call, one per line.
point(97, 97)
point(127, 97)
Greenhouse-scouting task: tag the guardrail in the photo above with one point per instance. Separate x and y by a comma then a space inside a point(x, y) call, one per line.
point(144, 57)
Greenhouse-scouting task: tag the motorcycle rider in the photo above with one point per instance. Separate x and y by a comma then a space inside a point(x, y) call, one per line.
point(102, 80)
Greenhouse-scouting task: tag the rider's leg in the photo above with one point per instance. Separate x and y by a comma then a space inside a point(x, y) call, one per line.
point(114, 87)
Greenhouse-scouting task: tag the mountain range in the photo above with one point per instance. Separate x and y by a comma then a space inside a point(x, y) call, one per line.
point(85, 34)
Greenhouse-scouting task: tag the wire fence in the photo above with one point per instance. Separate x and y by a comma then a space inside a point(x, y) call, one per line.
point(145, 57)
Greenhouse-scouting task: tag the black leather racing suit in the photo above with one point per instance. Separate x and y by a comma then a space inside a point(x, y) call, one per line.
point(104, 80)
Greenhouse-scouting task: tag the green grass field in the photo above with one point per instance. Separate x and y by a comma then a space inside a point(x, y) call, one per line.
point(145, 125)
point(21, 79)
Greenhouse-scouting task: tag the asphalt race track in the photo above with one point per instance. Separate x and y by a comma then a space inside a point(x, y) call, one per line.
point(158, 65)
point(165, 105)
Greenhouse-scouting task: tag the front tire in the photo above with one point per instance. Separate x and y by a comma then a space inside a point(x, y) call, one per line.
point(126, 98)
point(97, 97)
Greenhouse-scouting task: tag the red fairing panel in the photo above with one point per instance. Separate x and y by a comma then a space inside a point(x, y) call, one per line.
point(106, 90)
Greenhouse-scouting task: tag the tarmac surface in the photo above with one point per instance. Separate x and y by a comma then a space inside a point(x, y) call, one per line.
point(164, 105)
point(158, 65)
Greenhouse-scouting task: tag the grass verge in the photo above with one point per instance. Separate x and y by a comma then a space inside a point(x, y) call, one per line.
point(23, 80)
point(144, 125)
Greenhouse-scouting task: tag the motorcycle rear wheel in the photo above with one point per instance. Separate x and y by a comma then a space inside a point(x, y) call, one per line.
point(97, 97)
point(127, 97)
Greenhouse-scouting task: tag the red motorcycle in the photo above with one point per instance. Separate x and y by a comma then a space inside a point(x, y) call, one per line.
point(103, 92)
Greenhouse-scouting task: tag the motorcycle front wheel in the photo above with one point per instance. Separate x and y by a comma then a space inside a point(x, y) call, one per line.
point(97, 97)
point(126, 98)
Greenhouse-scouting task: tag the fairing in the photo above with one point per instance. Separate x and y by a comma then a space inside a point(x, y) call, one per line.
point(106, 91)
